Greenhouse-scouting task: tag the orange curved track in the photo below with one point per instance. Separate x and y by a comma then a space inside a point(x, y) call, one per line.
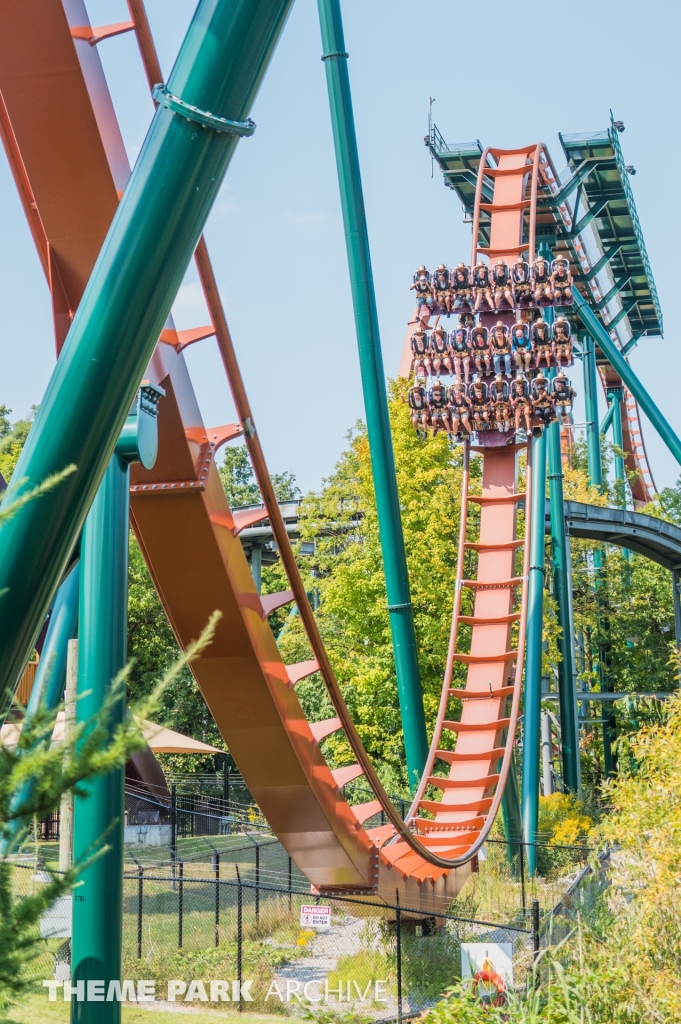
point(67, 155)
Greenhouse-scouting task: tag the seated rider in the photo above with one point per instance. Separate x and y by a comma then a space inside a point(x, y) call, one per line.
point(542, 403)
point(419, 348)
point(482, 287)
point(501, 348)
point(424, 294)
point(563, 394)
point(460, 284)
point(479, 346)
point(439, 410)
point(459, 406)
point(541, 342)
point(501, 280)
point(459, 354)
point(561, 281)
point(438, 351)
point(522, 346)
point(499, 398)
point(441, 289)
point(541, 276)
point(520, 403)
point(562, 341)
point(418, 405)
point(521, 282)
point(479, 405)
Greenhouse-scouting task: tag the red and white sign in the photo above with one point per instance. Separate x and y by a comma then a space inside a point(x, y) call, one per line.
point(315, 917)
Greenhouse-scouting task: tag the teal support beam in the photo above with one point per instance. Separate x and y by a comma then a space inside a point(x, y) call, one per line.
point(176, 177)
point(603, 261)
point(561, 582)
point(48, 688)
point(595, 469)
point(632, 343)
point(607, 419)
point(593, 439)
point(373, 384)
point(580, 175)
point(610, 295)
point(533, 657)
point(512, 819)
point(624, 311)
point(616, 398)
point(99, 808)
point(619, 363)
point(590, 215)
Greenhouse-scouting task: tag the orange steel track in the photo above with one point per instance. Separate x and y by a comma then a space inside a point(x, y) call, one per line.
point(479, 766)
point(67, 155)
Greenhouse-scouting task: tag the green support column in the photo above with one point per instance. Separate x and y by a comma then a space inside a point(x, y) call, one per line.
point(512, 817)
point(191, 140)
point(615, 397)
point(595, 468)
point(373, 384)
point(99, 812)
point(533, 656)
point(593, 437)
point(561, 582)
point(619, 363)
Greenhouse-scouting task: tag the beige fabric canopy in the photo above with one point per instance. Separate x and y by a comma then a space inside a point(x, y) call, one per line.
point(160, 739)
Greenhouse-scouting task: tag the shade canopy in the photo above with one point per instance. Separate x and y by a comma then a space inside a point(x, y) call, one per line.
point(160, 739)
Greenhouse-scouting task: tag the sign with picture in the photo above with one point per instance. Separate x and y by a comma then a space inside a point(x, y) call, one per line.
point(315, 917)
point(488, 966)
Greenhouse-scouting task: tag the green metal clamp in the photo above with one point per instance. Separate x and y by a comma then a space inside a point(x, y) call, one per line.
point(244, 129)
point(138, 441)
point(336, 53)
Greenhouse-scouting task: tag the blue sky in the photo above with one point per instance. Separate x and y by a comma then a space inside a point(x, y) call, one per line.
point(278, 215)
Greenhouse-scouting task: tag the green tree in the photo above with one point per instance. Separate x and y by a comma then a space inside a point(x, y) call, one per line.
point(12, 438)
point(152, 644)
point(347, 573)
point(240, 484)
point(5, 425)
point(152, 648)
point(42, 771)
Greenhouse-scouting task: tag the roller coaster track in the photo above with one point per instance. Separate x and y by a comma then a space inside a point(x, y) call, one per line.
point(642, 486)
point(67, 156)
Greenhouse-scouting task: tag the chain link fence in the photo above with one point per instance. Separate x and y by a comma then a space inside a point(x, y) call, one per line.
point(285, 951)
point(205, 905)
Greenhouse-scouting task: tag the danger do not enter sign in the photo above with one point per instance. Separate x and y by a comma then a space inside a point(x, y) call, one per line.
point(315, 917)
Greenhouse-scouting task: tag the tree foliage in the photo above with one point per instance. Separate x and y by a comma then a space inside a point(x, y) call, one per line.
point(348, 575)
point(12, 438)
point(152, 644)
point(239, 481)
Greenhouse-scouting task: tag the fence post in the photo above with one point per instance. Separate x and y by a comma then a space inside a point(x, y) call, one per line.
point(398, 934)
point(239, 932)
point(216, 863)
point(180, 905)
point(173, 824)
point(257, 884)
point(226, 787)
point(535, 938)
point(140, 904)
point(290, 885)
point(522, 876)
